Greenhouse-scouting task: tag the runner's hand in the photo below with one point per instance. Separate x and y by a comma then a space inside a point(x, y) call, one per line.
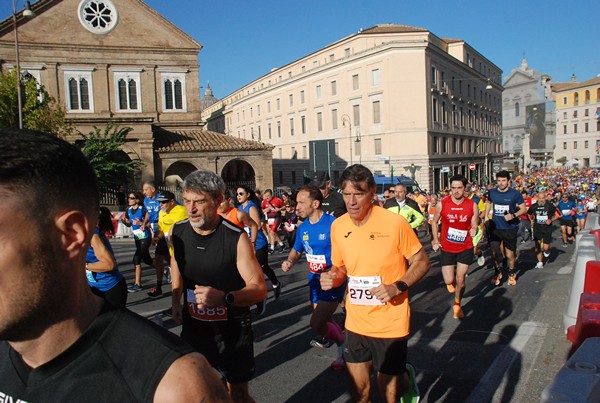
point(385, 292)
point(435, 246)
point(327, 280)
point(176, 311)
point(286, 265)
point(208, 297)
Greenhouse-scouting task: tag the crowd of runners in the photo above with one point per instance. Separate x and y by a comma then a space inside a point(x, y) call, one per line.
point(361, 256)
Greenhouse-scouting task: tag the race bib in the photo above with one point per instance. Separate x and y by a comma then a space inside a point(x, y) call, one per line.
point(456, 235)
point(565, 212)
point(358, 290)
point(316, 263)
point(541, 219)
point(218, 313)
point(271, 221)
point(500, 209)
point(139, 233)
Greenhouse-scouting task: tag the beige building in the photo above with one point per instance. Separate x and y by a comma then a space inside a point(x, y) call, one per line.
point(122, 62)
point(392, 97)
point(578, 122)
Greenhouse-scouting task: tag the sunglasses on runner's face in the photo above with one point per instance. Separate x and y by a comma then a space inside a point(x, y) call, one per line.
point(132, 198)
point(240, 193)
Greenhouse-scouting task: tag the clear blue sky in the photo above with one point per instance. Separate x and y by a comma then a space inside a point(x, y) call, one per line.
point(244, 39)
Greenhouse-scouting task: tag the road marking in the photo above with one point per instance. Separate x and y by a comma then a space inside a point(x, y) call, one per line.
point(493, 380)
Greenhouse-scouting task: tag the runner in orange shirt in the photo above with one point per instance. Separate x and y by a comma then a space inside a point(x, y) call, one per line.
point(371, 248)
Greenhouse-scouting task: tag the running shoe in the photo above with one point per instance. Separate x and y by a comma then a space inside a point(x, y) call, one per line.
point(134, 288)
point(155, 293)
point(261, 307)
point(564, 245)
point(321, 342)
point(338, 365)
point(281, 248)
point(539, 265)
point(523, 241)
point(458, 313)
point(481, 261)
point(277, 290)
point(497, 279)
point(451, 288)
point(412, 393)
point(271, 250)
point(546, 254)
point(168, 274)
point(512, 279)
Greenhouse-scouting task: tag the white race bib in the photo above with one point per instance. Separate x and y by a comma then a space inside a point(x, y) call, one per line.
point(500, 209)
point(456, 235)
point(139, 233)
point(358, 290)
point(565, 212)
point(541, 219)
point(316, 263)
point(271, 221)
point(218, 313)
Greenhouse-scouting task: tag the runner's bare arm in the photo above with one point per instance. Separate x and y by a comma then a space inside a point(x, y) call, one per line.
point(106, 261)
point(245, 219)
point(256, 288)
point(176, 285)
point(435, 242)
point(488, 207)
point(475, 220)
point(293, 257)
point(419, 266)
point(191, 378)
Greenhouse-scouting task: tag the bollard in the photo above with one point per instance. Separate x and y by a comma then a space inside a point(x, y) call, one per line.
point(578, 381)
point(587, 250)
point(592, 277)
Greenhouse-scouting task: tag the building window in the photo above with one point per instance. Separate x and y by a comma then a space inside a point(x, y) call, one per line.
point(79, 91)
point(334, 119)
point(444, 145)
point(587, 127)
point(564, 129)
point(444, 114)
point(586, 144)
point(128, 91)
point(376, 112)
point(575, 113)
point(279, 129)
point(291, 100)
point(302, 96)
point(356, 113)
point(293, 152)
point(98, 16)
point(291, 126)
point(564, 115)
point(564, 145)
point(586, 112)
point(334, 88)
point(576, 98)
point(268, 106)
point(293, 177)
point(269, 130)
point(347, 52)
point(433, 75)
point(173, 92)
point(304, 154)
point(377, 143)
point(517, 109)
point(454, 115)
point(355, 82)
point(575, 128)
point(319, 121)
point(303, 124)
point(574, 145)
point(564, 100)
point(318, 92)
point(434, 110)
point(375, 77)
point(278, 103)
point(587, 97)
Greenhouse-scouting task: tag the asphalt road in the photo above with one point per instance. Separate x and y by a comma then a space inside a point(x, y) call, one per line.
point(507, 348)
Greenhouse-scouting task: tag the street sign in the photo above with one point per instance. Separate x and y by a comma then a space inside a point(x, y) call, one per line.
point(472, 167)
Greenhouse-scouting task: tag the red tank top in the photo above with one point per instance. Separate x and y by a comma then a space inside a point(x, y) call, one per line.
point(456, 223)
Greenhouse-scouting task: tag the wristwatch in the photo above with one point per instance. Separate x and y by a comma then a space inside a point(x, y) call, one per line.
point(402, 286)
point(229, 298)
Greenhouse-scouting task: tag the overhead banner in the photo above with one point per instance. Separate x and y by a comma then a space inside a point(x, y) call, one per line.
point(535, 116)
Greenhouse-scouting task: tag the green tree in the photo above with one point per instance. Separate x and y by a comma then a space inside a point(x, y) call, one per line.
point(40, 110)
point(562, 160)
point(103, 148)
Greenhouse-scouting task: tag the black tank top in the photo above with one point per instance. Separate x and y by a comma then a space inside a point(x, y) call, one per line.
point(209, 260)
point(121, 357)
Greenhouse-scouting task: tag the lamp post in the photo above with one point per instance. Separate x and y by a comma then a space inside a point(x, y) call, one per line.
point(29, 14)
point(346, 118)
point(358, 147)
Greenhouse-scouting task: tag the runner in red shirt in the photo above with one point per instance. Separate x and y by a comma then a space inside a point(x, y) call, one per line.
point(460, 218)
point(271, 207)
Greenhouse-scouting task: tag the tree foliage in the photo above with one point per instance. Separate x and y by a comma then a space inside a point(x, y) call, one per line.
point(103, 148)
point(562, 160)
point(40, 110)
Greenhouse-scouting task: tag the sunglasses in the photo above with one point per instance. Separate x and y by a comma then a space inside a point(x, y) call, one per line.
point(240, 193)
point(163, 202)
point(132, 198)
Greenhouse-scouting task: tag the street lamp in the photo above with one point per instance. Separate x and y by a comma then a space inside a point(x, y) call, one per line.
point(358, 148)
point(346, 118)
point(28, 14)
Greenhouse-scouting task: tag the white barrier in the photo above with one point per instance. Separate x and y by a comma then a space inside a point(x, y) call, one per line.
point(123, 231)
point(587, 250)
point(578, 381)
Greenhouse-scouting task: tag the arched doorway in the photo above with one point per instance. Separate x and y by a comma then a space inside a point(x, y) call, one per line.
point(238, 172)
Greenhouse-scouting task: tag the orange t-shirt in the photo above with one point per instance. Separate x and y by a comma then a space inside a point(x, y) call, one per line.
point(381, 248)
point(231, 215)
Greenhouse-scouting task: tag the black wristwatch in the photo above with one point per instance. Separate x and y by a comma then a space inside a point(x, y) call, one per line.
point(229, 298)
point(402, 286)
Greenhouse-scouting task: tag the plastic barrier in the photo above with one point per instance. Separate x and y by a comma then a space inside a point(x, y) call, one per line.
point(587, 250)
point(588, 320)
point(578, 381)
point(596, 233)
point(592, 277)
point(593, 221)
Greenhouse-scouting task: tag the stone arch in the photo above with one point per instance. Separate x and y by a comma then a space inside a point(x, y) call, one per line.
point(238, 172)
point(180, 169)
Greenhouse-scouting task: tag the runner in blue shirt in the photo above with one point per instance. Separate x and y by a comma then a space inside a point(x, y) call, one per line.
point(508, 205)
point(567, 208)
point(313, 238)
point(152, 205)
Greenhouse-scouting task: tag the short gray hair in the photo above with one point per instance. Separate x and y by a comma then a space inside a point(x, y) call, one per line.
point(205, 181)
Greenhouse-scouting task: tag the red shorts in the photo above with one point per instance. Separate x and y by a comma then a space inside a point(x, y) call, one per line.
point(273, 223)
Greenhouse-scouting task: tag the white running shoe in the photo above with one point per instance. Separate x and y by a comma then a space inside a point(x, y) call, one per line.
point(539, 265)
